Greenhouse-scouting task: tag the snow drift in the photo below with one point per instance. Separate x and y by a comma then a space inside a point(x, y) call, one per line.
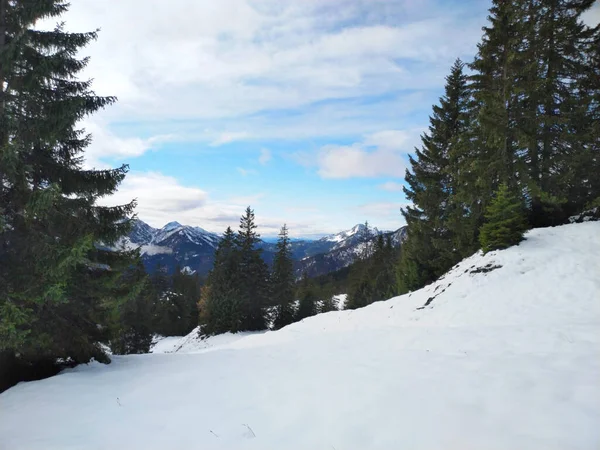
point(501, 353)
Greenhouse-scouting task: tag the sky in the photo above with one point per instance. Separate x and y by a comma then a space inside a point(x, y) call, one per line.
point(305, 110)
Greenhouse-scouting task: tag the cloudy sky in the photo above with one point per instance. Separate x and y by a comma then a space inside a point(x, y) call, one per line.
point(304, 109)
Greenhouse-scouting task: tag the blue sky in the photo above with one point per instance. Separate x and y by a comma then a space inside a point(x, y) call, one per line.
point(304, 109)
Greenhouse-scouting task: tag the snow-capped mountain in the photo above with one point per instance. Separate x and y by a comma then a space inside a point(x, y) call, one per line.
point(345, 238)
point(192, 248)
point(346, 247)
point(174, 245)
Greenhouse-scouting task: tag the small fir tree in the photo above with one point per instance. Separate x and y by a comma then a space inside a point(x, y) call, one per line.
point(505, 221)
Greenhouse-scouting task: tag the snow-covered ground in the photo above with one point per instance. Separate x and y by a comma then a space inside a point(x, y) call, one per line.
point(165, 344)
point(502, 353)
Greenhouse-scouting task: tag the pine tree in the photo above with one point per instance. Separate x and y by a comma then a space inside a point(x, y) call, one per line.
point(533, 86)
point(505, 221)
point(431, 247)
point(221, 307)
point(253, 275)
point(307, 299)
point(567, 114)
point(57, 285)
point(282, 282)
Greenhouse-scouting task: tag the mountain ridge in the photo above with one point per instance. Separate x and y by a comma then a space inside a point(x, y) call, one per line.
point(193, 248)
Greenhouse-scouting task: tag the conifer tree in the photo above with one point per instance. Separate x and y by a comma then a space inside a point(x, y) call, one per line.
point(221, 307)
point(282, 282)
point(505, 221)
point(253, 285)
point(432, 181)
point(307, 299)
point(561, 175)
point(57, 285)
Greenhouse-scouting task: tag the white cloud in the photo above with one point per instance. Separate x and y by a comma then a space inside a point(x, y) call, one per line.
point(159, 197)
point(381, 210)
point(391, 186)
point(379, 154)
point(245, 172)
point(108, 145)
point(190, 59)
point(265, 156)
point(228, 137)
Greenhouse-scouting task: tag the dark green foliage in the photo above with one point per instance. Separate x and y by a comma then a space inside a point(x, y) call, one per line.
point(437, 217)
point(282, 282)
point(220, 303)
point(528, 119)
point(176, 299)
point(253, 275)
point(505, 221)
point(237, 291)
point(59, 288)
point(373, 279)
point(328, 304)
point(307, 299)
point(133, 324)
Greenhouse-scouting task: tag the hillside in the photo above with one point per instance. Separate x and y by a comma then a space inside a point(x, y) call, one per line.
point(501, 353)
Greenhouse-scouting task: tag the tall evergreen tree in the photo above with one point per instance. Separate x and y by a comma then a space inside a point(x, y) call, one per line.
point(282, 282)
point(56, 283)
point(253, 275)
point(221, 305)
point(431, 247)
point(567, 113)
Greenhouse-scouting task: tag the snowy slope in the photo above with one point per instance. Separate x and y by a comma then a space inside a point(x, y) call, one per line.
point(485, 358)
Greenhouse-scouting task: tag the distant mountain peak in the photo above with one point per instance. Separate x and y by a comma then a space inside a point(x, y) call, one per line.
point(171, 226)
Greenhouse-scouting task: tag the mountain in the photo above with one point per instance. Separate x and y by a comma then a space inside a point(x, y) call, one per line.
point(347, 246)
point(499, 353)
point(192, 248)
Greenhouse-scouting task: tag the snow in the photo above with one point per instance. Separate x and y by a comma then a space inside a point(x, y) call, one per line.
point(500, 358)
point(340, 300)
point(188, 270)
point(165, 344)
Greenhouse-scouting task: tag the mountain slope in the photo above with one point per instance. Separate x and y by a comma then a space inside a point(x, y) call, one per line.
point(502, 353)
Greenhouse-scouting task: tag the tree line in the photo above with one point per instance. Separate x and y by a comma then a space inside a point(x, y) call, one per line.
point(241, 293)
point(514, 142)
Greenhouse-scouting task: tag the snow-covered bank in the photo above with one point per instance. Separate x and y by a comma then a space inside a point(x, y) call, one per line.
point(502, 353)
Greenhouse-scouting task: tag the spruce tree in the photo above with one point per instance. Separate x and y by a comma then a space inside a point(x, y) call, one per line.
point(253, 275)
point(282, 282)
point(431, 186)
point(307, 299)
point(57, 284)
point(565, 177)
point(505, 221)
point(221, 307)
